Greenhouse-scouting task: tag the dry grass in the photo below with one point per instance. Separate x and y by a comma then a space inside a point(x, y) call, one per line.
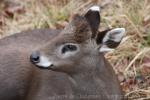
point(131, 59)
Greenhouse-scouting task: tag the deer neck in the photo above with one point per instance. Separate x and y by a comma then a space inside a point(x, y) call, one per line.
point(97, 82)
point(89, 81)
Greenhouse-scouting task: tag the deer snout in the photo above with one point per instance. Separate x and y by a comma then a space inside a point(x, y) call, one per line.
point(41, 61)
point(35, 57)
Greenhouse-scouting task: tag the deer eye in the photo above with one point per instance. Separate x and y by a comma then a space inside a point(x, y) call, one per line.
point(69, 47)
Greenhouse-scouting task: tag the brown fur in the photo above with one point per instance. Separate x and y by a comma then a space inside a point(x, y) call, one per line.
point(19, 79)
point(86, 76)
point(91, 76)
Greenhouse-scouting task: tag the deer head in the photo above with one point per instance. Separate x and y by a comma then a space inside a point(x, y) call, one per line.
point(78, 45)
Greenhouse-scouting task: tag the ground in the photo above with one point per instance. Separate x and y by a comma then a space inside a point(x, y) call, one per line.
point(131, 60)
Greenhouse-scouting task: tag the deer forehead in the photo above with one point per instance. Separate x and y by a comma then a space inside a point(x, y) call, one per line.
point(68, 38)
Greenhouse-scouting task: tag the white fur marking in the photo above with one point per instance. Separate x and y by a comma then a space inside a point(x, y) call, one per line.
point(95, 8)
point(44, 62)
point(117, 37)
point(104, 48)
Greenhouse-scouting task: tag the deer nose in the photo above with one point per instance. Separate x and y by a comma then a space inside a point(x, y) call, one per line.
point(35, 57)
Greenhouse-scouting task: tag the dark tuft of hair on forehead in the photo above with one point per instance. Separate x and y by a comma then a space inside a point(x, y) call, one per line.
point(82, 30)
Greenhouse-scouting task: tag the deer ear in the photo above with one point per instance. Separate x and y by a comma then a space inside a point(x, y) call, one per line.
point(110, 39)
point(93, 18)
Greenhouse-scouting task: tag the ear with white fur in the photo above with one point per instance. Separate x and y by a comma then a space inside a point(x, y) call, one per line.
point(93, 18)
point(110, 39)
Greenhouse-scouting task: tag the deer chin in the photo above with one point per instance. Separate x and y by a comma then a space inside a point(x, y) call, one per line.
point(44, 63)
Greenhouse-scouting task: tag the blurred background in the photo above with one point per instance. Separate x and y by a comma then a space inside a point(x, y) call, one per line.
point(131, 60)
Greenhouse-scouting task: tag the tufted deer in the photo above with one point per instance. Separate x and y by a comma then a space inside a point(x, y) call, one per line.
point(78, 51)
point(20, 80)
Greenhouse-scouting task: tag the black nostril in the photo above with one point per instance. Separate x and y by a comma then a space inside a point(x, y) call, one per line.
point(35, 57)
